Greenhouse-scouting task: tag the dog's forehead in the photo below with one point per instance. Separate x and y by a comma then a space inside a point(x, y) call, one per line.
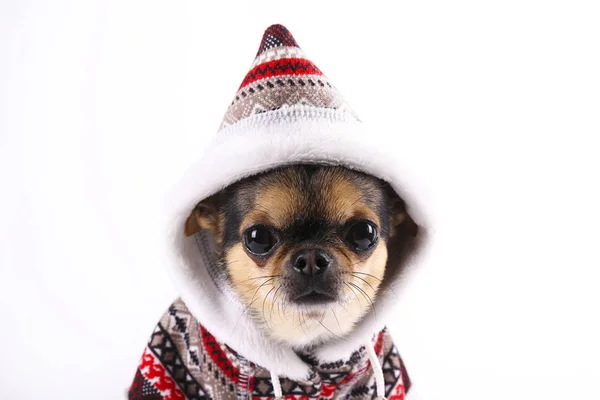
point(333, 194)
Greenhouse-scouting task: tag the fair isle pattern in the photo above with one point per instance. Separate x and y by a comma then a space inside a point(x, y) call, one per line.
point(278, 53)
point(283, 67)
point(185, 334)
point(184, 361)
point(166, 351)
point(274, 93)
point(282, 76)
point(352, 378)
point(156, 380)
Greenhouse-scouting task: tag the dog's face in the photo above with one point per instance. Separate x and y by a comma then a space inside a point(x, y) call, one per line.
point(305, 247)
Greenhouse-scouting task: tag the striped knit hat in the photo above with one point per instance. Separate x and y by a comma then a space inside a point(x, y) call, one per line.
point(282, 76)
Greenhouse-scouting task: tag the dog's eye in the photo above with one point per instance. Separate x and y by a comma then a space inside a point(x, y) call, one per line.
point(259, 240)
point(362, 235)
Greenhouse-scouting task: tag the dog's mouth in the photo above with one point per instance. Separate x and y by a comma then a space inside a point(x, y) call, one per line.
point(314, 298)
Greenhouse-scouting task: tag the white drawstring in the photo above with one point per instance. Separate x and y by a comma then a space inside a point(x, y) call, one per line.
point(276, 386)
point(377, 371)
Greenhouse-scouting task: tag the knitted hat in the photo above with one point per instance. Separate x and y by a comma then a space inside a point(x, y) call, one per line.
point(285, 112)
point(281, 77)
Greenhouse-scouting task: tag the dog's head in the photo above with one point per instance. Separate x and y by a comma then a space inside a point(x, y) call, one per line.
point(307, 248)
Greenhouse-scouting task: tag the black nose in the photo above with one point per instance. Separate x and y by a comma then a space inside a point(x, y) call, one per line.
point(311, 262)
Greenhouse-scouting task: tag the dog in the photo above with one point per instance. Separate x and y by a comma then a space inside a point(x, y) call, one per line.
point(288, 239)
point(306, 247)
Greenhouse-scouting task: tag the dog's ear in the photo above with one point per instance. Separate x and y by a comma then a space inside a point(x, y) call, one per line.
point(204, 216)
point(404, 241)
point(401, 223)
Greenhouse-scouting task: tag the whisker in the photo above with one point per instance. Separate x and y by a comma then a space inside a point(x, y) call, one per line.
point(366, 296)
point(303, 317)
point(355, 295)
point(356, 263)
point(364, 273)
point(365, 281)
point(261, 277)
point(267, 281)
point(250, 304)
point(343, 306)
point(374, 277)
point(263, 306)
point(329, 330)
point(336, 319)
point(284, 310)
point(301, 320)
point(274, 300)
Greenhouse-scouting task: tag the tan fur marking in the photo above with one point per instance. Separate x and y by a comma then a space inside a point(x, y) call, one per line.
point(275, 205)
point(203, 217)
point(344, 200)
point(245, 273)
point(192, 224)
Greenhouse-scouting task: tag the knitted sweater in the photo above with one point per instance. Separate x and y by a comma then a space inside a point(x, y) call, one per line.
point(182, 360)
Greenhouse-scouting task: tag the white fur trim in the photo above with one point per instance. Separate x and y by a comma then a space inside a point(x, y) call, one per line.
point(291, 135)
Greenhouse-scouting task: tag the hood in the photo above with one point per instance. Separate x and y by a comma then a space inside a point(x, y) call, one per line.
point(286, 112)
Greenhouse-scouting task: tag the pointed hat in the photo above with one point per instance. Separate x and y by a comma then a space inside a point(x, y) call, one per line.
point(282, 78)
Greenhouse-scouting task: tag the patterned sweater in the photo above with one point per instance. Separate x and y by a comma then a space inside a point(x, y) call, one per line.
point(182, 360)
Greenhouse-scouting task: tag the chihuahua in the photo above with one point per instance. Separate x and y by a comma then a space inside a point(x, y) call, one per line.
point(287, 240)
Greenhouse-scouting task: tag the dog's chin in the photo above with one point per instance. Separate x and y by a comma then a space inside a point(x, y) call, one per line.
point(311, 318)
point(314, 298)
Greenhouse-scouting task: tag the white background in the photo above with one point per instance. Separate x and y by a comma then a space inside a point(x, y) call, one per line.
point(494, 104)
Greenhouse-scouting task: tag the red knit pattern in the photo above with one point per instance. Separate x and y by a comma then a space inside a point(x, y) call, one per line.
point(378, 349)
point(286, 397)
point(398, 393)
point(328, 390)
point(152, 370)
point(285, 66)
point(218, 356)
point(379, 343)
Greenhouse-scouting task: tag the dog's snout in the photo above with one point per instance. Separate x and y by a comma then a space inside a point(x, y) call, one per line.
point(311, 262)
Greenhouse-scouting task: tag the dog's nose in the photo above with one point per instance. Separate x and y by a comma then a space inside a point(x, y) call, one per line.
point(311, 262)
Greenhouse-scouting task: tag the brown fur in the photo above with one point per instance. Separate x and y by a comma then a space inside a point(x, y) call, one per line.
point(204, 216)
point(285, 197)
